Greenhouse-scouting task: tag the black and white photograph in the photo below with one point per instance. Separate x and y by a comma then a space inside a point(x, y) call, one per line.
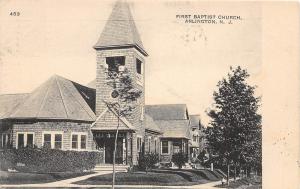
point(143, 94)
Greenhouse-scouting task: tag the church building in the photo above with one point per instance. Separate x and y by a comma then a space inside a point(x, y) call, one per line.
point(63, 114)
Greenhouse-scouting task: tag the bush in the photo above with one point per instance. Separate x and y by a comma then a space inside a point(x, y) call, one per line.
point(179, 159)
point(147, 161)
point(45, 160)
point(7, 159)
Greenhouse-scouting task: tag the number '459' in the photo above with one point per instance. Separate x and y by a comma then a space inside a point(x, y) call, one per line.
point(14, 14)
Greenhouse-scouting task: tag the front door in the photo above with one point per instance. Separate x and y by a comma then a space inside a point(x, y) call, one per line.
point(109, 150)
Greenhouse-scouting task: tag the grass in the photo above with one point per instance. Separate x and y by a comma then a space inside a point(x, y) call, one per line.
point(247, 183)
point(167, 177)
point(34, 178)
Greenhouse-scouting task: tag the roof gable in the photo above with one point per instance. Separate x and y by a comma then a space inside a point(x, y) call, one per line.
point(101, 122)
point(120, 30)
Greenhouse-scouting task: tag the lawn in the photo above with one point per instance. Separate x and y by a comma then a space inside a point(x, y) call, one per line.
point(155, 177)
point(34, 178)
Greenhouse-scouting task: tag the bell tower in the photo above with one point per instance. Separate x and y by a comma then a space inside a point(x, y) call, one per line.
point(120, 44)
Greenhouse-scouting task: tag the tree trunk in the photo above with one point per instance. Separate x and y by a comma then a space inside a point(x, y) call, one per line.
point(228, 170)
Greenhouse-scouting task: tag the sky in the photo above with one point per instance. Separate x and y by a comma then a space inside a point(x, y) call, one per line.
point(186, 60)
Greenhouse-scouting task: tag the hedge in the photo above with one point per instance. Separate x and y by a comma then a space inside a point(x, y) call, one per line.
point(45, 160)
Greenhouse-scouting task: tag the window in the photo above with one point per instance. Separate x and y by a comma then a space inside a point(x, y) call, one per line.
point(21, 142)
point(164, 147)
point(139, 66)
point(30, 140)
point(52, 139)
point(114, 63)
point(25, 139)
point(83, 142)
point(79, 141)
point(47, 140)
point(74, 141)
point(139, 144)
point(58, 141)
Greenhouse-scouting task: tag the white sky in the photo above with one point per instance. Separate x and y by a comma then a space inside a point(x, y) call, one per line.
point(56, 37)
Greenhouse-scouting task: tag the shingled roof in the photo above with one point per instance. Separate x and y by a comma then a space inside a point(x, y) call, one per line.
point(151, 125)
point(174, 128)
point(9, 102)
point(57, 98)
point(167, 111)
point(120, 30)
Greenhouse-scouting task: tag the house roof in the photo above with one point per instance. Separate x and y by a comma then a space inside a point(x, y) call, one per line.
point(195, 121)
point(57, 98)
point(167, 111)
point(174, 128)
point(151, 125)
point(9, 102)
point(120, 30)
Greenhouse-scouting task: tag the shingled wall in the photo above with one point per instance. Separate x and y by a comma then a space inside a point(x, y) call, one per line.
point(66, 127)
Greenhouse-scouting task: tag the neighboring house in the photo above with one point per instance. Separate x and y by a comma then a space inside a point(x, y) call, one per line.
point(62, 114)
point(196, 134)
point(173, 120)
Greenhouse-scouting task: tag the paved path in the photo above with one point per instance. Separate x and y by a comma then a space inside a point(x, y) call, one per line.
point(69, 183)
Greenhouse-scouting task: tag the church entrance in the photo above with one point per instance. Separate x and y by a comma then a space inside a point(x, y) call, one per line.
point(106, 141)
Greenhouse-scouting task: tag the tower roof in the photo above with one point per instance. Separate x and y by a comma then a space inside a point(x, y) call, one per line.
point(120, 30)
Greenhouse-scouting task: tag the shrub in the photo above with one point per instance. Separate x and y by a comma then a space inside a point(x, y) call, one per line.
point(147, 161)
point(7, 159)
point(179, 159)
point(49, 160)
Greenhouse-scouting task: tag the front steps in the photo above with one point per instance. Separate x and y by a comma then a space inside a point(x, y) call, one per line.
point(109, 167)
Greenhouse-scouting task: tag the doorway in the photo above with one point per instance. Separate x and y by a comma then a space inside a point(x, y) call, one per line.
point(108, 145)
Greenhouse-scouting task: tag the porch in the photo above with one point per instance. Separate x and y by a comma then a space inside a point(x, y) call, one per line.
point(170, 146)
point(105, 141)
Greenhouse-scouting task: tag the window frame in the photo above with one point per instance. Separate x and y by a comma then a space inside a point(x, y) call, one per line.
point(52, 139)
point(79, 134)
point(25, 138)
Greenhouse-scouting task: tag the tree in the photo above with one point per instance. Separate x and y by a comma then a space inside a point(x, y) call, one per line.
point(127, 95)
point(148, 161)
point(234, 135)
